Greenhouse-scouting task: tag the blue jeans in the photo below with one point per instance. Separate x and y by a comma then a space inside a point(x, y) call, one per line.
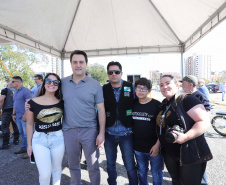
point(22, 129)
point(48, 151)
point(126, 146)
point(156, 168)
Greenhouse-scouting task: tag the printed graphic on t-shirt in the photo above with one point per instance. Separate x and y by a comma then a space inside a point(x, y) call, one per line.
point(50, 115)
point(142, 116)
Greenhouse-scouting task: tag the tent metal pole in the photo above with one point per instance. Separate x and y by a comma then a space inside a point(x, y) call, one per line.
point(167, 24)
point(182, 64)
point(62, 68)
point(69, 31)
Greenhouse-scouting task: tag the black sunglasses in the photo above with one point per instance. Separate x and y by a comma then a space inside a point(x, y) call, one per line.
point(117, 72)
point(49, 81)
point(14, 81)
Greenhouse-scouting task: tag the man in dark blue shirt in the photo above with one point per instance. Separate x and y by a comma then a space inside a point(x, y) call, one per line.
point(21, 95)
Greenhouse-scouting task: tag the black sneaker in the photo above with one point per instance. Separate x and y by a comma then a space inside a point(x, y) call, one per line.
point(4, 146)
point(16, 142)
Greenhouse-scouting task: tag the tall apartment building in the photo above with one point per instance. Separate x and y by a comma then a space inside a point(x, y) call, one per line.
point(199, 66)
point(56, 67)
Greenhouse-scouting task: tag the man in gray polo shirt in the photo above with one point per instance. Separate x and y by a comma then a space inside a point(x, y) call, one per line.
point(82, 95)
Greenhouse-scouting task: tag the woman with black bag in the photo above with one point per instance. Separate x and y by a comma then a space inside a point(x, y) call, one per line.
point(181, 126)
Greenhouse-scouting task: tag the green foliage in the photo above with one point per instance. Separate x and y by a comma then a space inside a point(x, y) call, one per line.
point(98, 72)
point(18, 61)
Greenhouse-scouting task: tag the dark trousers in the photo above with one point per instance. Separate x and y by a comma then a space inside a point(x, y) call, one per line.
point(6, 119)
point(184, 175)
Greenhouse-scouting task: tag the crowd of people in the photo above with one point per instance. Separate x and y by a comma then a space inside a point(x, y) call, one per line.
point(76, 112)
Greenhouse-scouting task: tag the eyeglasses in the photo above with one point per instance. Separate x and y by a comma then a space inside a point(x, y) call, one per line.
point(144, 89)
point(117, 72)
point(48, 81)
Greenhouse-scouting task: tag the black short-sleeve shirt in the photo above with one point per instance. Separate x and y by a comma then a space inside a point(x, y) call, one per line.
point(47, 118)
point(144, 125)
point(4, 92)
point(172, 119)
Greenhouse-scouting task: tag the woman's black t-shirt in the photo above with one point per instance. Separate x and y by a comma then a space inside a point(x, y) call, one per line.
point(172, 119)
point(47, 118)
point(144, 125)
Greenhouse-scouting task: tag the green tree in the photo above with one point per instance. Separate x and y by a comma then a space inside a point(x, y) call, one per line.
point(18, 61)
point(98, 72)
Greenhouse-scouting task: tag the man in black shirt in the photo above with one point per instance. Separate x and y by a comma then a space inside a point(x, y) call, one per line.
point(6, 103)
point(146, 143)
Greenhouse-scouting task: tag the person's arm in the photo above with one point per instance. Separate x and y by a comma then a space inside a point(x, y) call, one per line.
point(102, 119)
point(29, 130)
point(202, 123)
point(28, 96)
point(14, 115)
point(2, 99)
point(155, 149)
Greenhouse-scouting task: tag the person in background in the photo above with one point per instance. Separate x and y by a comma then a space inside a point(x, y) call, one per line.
point(47, 142)
point(6, 104)
point(36, 89)
point(176, 136)
point(21, 95)
point(203, 89)
point(146, 144)
point(223, 89)
point(118, 102)
point(189, 84)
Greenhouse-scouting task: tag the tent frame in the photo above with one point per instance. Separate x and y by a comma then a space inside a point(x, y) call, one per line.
point(216, 18)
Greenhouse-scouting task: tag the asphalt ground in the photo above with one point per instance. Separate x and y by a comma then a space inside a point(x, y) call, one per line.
point(17, 171)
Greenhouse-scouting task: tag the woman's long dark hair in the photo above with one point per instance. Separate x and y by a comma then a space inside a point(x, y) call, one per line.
point(58, 93)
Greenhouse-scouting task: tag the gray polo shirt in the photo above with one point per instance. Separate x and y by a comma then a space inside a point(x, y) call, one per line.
point(79, 102)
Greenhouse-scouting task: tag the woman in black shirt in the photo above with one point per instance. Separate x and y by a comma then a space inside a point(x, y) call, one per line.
point(47, 142)
point(185, 151)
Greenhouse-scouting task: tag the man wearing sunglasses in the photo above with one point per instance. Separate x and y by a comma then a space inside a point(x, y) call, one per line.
point(21, 95)
point(82, 95)
point(118, 101)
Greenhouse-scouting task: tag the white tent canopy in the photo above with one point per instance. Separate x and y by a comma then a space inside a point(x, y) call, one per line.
point(108, 27)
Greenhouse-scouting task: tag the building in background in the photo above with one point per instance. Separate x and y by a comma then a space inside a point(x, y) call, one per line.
point(199, 66)
point(56, 66)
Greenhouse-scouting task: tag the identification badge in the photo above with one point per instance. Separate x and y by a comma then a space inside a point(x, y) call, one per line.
point(129, 112)
point(127, 94)
point(127, 89)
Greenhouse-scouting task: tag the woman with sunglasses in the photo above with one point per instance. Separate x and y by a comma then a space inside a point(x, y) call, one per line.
point(47, 142)
point(181, 126)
